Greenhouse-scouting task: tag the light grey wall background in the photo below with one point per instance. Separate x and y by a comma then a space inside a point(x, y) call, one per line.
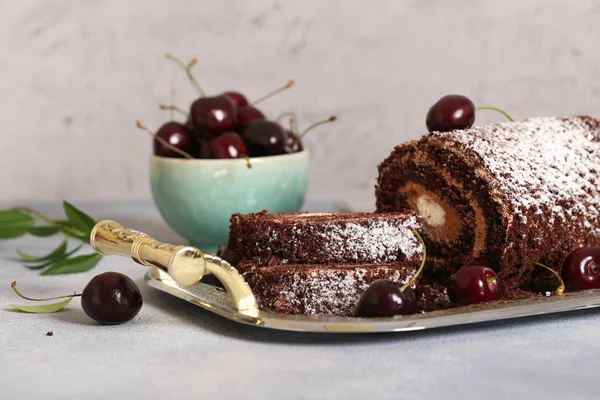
point(76, 74)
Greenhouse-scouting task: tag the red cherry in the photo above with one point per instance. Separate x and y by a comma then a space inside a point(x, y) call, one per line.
point(265, 138)
point(228, 145)
point(451, 112)
point(293, 143)
point(246, 115)
point(212, 116)
point(581, 269)
point(239, 99)
point(111, 298)
point(178, 136)
point(168, 132)
point(384, 299)
point(474, 283)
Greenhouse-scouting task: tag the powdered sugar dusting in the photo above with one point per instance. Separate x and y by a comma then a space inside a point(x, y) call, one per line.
point(324, 292)
point(381, 240)
point(542, 165)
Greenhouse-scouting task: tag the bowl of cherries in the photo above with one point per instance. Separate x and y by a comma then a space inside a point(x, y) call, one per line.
point(225, 156)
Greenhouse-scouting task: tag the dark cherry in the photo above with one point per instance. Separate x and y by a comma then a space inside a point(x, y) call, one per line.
point(473, 283)
point(451, 112)
point(176, 134)
point(239, 99)
point(228, 145)
point(111, 298)
point(246, 115)
point(383, 298)
point(212, 116)
point(265, 138)
point(292, 145)
point(581, 269)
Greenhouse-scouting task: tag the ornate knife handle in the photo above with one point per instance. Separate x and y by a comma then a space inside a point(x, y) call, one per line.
point(184, 264)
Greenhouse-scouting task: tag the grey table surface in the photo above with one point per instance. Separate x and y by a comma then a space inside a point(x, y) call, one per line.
point(174, 350)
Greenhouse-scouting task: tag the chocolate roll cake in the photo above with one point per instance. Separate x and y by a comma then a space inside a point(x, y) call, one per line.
point(328, 289)
point(506, 194)
point(317, 238)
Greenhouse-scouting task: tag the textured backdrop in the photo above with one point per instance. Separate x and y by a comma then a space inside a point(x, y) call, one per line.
point(76, 74)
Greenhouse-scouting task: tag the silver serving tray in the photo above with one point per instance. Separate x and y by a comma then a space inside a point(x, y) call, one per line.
point(217, 300)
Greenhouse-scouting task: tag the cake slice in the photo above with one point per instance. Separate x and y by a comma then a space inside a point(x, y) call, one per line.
point(327, 289)
point(321, 263)
point(320, 238)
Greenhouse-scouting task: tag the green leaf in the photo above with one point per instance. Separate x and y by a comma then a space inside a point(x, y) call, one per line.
point(12, 215)
point(14, 223)
point(76, 234)
point(56, 259)
point(78, 219)
point(58, 252)
point(74, 265)
point(44, 231)
point(44, 308)
point(12, 233)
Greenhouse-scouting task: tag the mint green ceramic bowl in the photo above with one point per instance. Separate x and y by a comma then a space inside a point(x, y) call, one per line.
point(197, 197)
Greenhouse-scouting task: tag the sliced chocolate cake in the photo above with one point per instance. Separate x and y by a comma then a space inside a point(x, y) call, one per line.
point(506, 194)
point(321, 263)
point(317, 238)
point(329, 289)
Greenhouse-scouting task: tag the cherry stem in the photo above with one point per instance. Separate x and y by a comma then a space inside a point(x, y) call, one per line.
point(48, 220)
point(496, 109)
point(288, 85)
point(294, 130)
point(416, 275)
point(311, 127)
point(300, 136)
point(561, 288)
point(172, 111)
point(293, 126)
point(163, 141)
point(14, 287)
point(187, 69)
point(173, 108)
point(248, 162)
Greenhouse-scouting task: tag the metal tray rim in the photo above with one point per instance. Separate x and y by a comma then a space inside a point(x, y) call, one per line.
point(217, 301)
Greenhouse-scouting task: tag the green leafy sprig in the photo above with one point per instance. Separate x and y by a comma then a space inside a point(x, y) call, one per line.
point(21, 221)
point(44, 308)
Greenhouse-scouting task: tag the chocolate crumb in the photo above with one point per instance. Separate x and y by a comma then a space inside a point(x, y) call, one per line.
point(49, 333)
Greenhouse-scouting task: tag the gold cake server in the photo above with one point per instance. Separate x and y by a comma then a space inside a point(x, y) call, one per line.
point(186, 265)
